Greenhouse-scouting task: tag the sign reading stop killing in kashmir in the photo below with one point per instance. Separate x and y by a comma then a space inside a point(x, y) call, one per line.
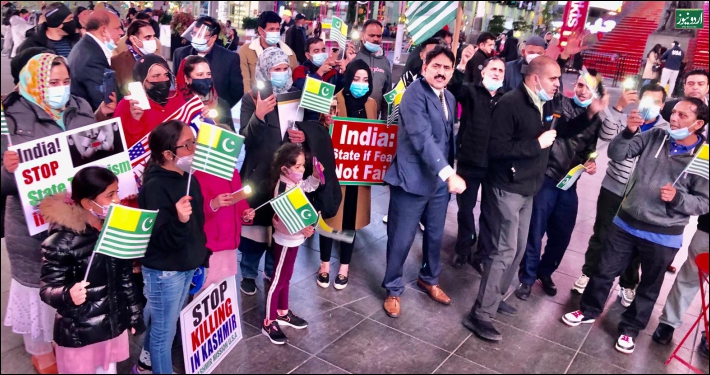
point(47, 165)
point(364, 149)
point(210, 327)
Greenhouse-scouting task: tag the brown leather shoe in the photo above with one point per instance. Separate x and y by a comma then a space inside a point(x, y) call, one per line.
point(434, 292)
point(392, 307)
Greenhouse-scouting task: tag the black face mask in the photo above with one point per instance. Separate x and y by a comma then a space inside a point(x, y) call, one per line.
point(159, 92)
point(69, 28)
point(201, 86)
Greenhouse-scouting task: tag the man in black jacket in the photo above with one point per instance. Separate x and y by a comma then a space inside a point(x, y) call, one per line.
point(58, 33)
point(226, 71)
point(555, 205)
point(478, 101)
point(296, 38)
point(518, 153)
point(486, 44)
point(695, 86)
point(510, 48)
point(90, 58)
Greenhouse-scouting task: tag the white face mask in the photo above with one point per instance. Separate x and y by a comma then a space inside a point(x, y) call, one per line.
point(184, 163)
point(529, 57)
point(149, 46)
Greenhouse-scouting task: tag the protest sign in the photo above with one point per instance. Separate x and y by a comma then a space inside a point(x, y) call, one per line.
point(288, 105)
point(47, 165)
point(211, 327)
point(364, 149)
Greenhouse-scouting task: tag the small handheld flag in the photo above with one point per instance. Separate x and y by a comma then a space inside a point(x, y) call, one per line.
point(188, 111)
point(339, 32)
point(217, 151)
point(317, 95)
point(699, 165)
point(294, 210)
point(347, 236)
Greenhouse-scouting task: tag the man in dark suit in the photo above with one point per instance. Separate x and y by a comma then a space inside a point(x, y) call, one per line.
point(421, 178)
point(226, 71)
point(90, 57)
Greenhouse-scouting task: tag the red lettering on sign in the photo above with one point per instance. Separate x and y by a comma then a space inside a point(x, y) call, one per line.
point(363, 150)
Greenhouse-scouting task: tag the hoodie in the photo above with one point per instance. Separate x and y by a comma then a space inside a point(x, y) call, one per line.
point(674, 58)
point(381, 75)
point(642, 207)
point(174, 245)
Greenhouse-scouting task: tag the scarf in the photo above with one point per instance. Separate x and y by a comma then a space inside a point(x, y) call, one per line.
point(34, 83)
point(270, 58)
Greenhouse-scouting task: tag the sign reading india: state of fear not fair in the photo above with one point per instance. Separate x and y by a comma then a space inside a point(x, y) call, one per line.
point(364, 150)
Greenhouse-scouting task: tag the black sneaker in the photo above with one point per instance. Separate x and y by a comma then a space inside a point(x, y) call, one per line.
point(248, 287)
point(484, 330)
point(340, 282)
point(323, 280)
point(523, 291)
point(291, 320)
point(505, 309)
point(274, 333)
point(477, 265)
point(459, 261)
point(703, 347)
point(548, 285)
point(663, 334)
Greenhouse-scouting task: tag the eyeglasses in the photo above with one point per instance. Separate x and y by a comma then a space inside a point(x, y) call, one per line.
point(189, 146)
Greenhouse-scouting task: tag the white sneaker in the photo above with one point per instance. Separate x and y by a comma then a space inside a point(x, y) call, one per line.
point(627, 296)
point(625, 344)
point(581, 284)
point(421, 226)
point(576, 318)
point(384, 219)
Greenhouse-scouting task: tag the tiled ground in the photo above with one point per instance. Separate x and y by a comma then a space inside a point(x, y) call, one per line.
point(350, 333)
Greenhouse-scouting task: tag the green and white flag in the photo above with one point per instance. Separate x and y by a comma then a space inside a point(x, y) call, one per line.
point(5, 129)
point(126, 232)
point(339, 32)
point(425, 18)
point(294, 210)
point(317, 95)
point(217, 151)
point(393, 98)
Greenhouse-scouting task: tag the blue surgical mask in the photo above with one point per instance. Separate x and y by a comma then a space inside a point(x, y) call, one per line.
point(678, 134)
point(650, 113)
point(200, 44)
point(319, 59)
point(279, 79)
point(111, 45)
point(57, 96)
point(359, 89)
point(583, 104)
point(372, 47)
point(543, 95)
point(492, 85)
point(273, 38)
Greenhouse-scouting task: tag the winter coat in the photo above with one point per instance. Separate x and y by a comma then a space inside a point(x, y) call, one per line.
point(111, 306)
point(28, 122)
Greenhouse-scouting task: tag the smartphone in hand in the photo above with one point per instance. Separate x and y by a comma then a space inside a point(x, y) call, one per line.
point(138, 93)
point(109, 84)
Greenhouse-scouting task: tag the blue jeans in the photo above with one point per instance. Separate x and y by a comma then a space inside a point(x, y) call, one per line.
point(251, 257)
point(166, 292)
point(555, 213)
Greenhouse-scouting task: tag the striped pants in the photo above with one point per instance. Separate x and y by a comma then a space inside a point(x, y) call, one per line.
point(285, 258)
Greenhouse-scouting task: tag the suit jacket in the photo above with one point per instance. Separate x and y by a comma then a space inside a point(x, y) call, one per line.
point(226, 71)
point(425, 143)
point(88, 62)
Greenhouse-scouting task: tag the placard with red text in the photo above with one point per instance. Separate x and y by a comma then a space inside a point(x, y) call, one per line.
point(364, 150)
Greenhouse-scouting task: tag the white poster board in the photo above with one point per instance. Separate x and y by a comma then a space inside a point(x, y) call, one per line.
point(48, 165)
point(288, 107)
point(211, 327)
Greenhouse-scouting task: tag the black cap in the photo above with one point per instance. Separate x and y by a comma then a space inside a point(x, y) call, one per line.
point(300, 16)
point(56, 15)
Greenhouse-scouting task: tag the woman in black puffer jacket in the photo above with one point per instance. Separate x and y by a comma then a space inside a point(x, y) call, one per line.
point(93, 317)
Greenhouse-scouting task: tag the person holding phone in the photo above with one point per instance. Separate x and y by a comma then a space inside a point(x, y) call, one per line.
point(264, 133)
point(178, 242)
point(139, 41)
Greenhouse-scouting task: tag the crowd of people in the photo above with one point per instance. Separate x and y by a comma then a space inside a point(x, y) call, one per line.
point(519, 136)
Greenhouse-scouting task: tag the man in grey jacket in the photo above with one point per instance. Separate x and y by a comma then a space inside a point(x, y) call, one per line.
point(657, 206)
point(371, 52)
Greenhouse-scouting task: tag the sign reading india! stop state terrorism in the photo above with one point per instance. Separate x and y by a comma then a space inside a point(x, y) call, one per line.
point(364, 150)
point(211, 327)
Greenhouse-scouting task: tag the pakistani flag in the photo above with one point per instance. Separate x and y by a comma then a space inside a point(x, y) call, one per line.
point(217, 151)
point(339, 32)
point(126, 232)
point(699, 165)
point(294, 210)
point(425, 18)
point(317, 95)
point(5, 130)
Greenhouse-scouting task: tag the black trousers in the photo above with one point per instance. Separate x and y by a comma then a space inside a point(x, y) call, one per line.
point(466, 237)
point(349, 217)
point(608, 205)
point(621, 247)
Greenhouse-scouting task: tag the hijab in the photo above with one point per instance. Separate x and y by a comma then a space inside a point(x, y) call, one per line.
point(142, 67)
point(187, 93)
point(356, 106)
point(34, 83)
point(270, 58)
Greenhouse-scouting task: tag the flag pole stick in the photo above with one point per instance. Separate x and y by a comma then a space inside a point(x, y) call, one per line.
point(267, 202)
point(457, 28)
point(86, 275)
point(678, 178)
point(9, 140)
point(189, 180)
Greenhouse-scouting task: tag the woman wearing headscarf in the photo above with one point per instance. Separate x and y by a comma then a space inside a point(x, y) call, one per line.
point(354, 213)
point(195, 78)
point(41, 107)
point(264, 133)
point(155, 75)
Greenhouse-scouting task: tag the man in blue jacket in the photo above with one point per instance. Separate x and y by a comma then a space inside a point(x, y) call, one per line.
point(673, 58)
point(224, 64)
